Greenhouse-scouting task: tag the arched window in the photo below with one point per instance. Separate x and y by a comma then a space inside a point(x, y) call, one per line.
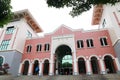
point(39, 47)
point(47, 47)
point(29, 47)
point(1, 60)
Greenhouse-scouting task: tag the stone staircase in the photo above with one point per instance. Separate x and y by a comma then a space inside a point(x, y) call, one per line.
point(65, 77)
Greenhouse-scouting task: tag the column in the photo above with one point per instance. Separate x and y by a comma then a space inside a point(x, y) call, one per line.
point(51, 68)
point(88, 66)
point(102, 67)
point(117, 65)
point(20, 69)
point(75, 64)
point(30, 69)
point(40, 69)
point(51, 71)
point(56, 67)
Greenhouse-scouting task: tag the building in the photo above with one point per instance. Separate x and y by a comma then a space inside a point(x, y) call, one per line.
point(65, 50)
point(68, 51)
point(107, 16)
point(13, 37)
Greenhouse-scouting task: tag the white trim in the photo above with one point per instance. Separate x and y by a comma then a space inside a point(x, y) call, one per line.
point(93, 56)
point(3, 59)
point(26, 60)
point(81, 57)
point(35, 60)
point(45, 59)
point(108, 55)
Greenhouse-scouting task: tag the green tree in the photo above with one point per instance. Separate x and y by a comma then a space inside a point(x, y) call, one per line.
point(78, 6)
point(5, 12)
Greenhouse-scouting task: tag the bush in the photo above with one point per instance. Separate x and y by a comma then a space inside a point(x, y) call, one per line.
point(4, 69)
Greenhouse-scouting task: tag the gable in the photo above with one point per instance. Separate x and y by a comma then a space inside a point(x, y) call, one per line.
point(62, 30)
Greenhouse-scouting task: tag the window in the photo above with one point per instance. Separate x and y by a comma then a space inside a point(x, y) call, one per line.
point(29, 48)
point(4, 44)
point(103, 41)
point(10, 30)
point(29, 35)
point(39, 47)
point(80, 44)
point(104, 23)
point(1, 60)
point(90, 43)
point(47, 47)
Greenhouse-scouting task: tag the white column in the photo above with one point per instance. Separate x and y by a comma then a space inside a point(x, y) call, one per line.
point(20, 69)
point(75, 64)
point(51, 71)
point(102, 66)
point(88, 66)
point(30, 69)
point(51, 68)
point(117, 65)
point(40, 69)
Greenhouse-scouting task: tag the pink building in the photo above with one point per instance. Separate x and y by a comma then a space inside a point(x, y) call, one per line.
point(68, 51)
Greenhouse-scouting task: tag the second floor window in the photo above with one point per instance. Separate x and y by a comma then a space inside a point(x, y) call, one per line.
point(29, 48)
point(104, 23)
point(39, 47)
point(47, 47)
point(29, 34)
point(90, 43)
point(4, 44)
point(80, 44)
point(10, 30)
point(103, 41)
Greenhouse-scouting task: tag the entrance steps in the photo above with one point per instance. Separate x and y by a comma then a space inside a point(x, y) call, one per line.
point(67, 77)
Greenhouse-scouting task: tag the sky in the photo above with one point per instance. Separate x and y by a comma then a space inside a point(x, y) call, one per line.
point(50, 19)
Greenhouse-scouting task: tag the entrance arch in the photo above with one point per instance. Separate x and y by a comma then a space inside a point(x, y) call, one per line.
point(94, 65)
point(36, 67)
point(26, 67)
point(46, 67)
point(109, 63)
point(81, 66)
point(63, 60)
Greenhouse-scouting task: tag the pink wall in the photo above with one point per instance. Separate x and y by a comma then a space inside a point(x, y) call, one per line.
point(79, 35)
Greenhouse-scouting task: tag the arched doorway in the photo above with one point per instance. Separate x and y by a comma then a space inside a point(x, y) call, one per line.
point(94, 65)
point(36, 67)
point(110, 67)
point(46, 67)
point(81, 66)
point(63, 60)
point(26, 67)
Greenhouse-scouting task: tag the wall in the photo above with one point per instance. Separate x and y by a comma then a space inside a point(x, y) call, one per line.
point(13, 58)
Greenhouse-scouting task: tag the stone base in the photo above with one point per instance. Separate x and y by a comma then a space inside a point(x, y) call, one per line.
point(118, 72)
point(51, 74)
point(103, 72)
point(89, 73)
point(40, 74)
point(19, 74)
point(75, 73)
point(29, 74)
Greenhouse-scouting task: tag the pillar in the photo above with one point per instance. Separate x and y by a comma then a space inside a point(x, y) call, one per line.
point(51, 68)
point(30, 69)
point(75, 71)
point(88, 67)
point(40, 69)
point(102, 67)
point(51, 71)
point(117, 65)
point(20, 69)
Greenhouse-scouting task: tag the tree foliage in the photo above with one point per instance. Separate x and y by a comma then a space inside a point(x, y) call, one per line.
point(78, 6)
point(5, 12)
